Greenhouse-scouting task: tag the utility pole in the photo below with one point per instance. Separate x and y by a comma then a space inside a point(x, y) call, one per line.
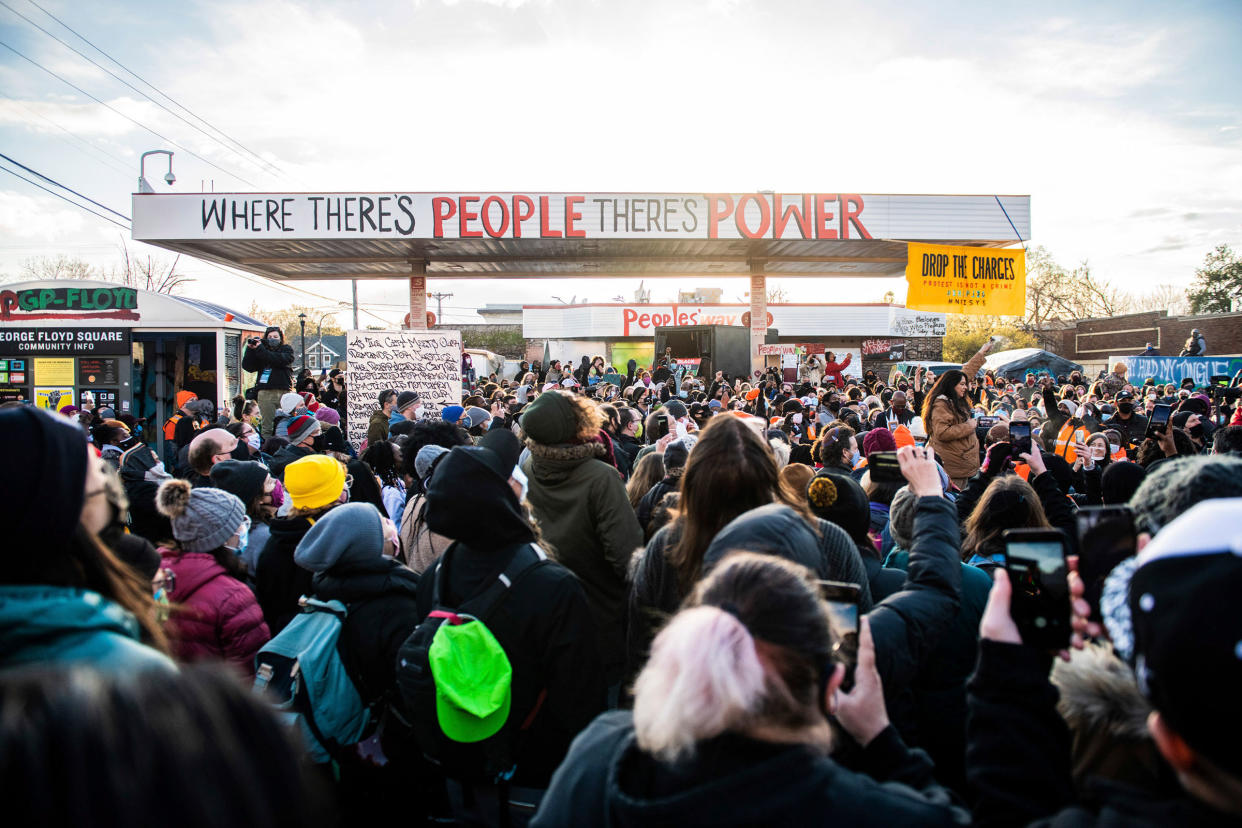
point(440, 297)
point(354, 286)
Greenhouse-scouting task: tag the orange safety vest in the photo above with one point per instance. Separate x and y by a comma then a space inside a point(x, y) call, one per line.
point(1066, 438)
point(170, 426)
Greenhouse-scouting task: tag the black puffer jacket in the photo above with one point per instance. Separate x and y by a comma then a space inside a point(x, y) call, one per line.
point(733, 780)
point(276, 361)
point(775, 529)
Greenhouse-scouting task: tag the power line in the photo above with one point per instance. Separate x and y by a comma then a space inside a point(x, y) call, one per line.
point(62, 198)
point(127, 83)
point(126, 117)
point(62, 186)
point(152, 86)
point(103, 155)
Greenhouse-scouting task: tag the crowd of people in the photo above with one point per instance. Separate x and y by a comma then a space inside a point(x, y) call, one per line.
point(589, 596)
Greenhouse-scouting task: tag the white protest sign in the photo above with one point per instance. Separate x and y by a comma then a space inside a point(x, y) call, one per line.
point(428, 362)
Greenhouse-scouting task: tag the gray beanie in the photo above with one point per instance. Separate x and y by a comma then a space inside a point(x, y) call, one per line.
point(901, 517)
point(426, 458)
point(1173, 486)
point(203, 519)
point(351, 533)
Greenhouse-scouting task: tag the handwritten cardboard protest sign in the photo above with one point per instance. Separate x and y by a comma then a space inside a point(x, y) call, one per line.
point(428, 362)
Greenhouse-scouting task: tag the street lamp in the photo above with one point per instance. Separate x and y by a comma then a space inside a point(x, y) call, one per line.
point(143, 185)
point(302, 322)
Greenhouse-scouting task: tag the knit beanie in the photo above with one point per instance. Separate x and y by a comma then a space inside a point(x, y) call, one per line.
point(1120, 481)
point(1179, 483)
point(42, 479)
point(901, 517)
point(290, 401)
point(203, 519)
point(551, 420)
point(902, 437)
point(352, 531)
point(243, 479)
point(879, 439)
point(837, 498)
point(475, 417)
point(302, 427)
point(315, 481)
point(426, 458)
point(328, 416)
point(451, 413)
point(406, 399)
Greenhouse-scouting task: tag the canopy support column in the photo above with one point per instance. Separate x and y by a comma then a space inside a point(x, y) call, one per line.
point(417, 320)
point(758, 313)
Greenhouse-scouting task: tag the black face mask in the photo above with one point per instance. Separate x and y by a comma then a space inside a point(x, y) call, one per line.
point(1125, 408)
point(904, 387)
point(1196, 431)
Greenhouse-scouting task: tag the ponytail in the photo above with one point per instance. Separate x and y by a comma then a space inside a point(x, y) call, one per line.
point(704, 677)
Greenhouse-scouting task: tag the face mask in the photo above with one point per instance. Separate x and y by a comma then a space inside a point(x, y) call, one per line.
point(1196, 431)
point(797, 418)
point(273, 341)
point(1125, 408)
point(243, 539)
point(855, 457)
point(278, 495)
point(1113, 448)
point(903, 387)
point(254, 440)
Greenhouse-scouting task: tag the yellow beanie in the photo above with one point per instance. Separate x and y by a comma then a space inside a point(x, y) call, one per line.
point(314, 482)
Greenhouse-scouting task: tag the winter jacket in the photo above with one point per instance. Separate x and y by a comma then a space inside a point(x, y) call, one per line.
point(279, 582)
point(939, 690)
point(775, 529)
point(1019, 760)
point(583, 513)
point(275, 362)
point(419, 545)
point(733, 780)
point(908, 626)
point(1112, 384)
point(833, 370)
point(653, 497)
point(46, 625)
point(1132, 428)
point(377, 427)
point(544, 624)
point(287, 454)
point(215, 616)
point(954, 440)
point(625, 448)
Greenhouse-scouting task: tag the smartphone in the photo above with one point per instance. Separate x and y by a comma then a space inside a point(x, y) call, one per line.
point(1158, 423)
point(884, 467)
point(842, 600)
point(1040, 606)
point(1020, 437)
point(661, 428)
point(1106, 537)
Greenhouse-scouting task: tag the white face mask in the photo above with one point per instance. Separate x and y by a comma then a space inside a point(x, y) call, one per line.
point(797, 418)
point(254, 440)
point(1113, 448)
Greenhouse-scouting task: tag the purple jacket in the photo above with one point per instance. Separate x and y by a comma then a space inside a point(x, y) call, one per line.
point(217, 616)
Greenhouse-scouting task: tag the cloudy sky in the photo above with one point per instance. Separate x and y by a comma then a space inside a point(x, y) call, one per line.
point(1122, 120)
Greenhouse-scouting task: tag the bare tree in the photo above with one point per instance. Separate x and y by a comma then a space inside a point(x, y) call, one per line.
point(1171, 298)
point(59, 266)
point(149, 273)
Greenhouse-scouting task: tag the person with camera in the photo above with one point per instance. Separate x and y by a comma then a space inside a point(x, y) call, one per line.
point(270, 357)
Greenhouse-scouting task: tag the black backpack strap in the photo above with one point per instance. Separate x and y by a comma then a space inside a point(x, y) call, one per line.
point(525, 559)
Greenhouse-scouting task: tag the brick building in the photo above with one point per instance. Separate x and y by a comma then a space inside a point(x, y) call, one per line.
point(1092, 341)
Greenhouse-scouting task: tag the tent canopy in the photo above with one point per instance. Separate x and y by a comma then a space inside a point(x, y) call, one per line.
point(1020, 361)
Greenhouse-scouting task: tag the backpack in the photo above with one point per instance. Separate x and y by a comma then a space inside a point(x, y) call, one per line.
point(488, 751)
point(301, 673)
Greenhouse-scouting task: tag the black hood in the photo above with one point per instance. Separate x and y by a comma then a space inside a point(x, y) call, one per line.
point(468, 501)
point(774, 529)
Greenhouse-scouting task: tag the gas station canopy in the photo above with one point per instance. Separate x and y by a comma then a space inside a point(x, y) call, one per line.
point(507, 235)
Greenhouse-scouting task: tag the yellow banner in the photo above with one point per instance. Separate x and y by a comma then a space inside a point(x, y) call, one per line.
point(976, 280)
